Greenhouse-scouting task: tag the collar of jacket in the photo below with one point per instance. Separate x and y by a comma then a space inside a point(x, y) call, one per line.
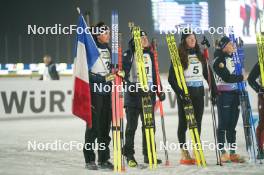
point(191, 51)
point(146, 50)
point(223, 54)
point(227, 55)
point(101, 46)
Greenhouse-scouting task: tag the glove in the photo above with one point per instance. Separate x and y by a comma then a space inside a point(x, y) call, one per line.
point(185, 99)
point(143, 93)
point(161, 96)
point(110, 77)
point(121, 73)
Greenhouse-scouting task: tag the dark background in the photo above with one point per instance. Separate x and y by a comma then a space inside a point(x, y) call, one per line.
point(17, 46)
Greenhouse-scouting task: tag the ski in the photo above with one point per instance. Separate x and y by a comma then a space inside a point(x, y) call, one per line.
point(158, 83)
point(260, 45)
point(206, 44)
point(188, 107)
point(116, 100)
point(121, 98)
point(146, 100)
point(139, 167)
point(249, 128)
point(260, 48)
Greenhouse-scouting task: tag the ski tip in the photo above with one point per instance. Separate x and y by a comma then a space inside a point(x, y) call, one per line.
point(114, 12)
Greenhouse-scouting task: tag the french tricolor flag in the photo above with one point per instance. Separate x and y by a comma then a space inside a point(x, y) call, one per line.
point(86, 55)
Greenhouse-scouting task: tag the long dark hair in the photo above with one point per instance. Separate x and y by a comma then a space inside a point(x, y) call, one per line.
point(183, 53)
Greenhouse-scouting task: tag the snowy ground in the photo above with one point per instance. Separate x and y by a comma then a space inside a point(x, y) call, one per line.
point(15, 158)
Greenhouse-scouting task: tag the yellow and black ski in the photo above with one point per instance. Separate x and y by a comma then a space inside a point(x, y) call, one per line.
point(188, 107)
point(260, 46)
point(146, 100)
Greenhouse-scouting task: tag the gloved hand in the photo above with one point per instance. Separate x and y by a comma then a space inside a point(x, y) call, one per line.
point(110, 77)
point(143, 93)
point(121, 73)
point(161, 96)
point(185, 99)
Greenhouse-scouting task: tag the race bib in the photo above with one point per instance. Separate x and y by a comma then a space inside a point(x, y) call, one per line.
point(194, 72)
point(148, 68)
point(103, 65)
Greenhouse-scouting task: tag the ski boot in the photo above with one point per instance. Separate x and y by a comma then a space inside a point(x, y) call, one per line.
point(131, 161)
point(106, 165)
point(186, 159)
point(236, 158)
point(146, 160)
point(91, 166)
point(225, 158)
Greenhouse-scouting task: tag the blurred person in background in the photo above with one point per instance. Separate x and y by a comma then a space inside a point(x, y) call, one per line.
point(245, 14)
point(50, 71)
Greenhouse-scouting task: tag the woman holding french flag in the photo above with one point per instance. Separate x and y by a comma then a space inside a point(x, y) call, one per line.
point(91, 101)
point(101, 105)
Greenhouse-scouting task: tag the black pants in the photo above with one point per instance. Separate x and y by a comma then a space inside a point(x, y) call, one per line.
point(198, 106)
point(101, 125)
point(228, 113)
point(132, 115)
